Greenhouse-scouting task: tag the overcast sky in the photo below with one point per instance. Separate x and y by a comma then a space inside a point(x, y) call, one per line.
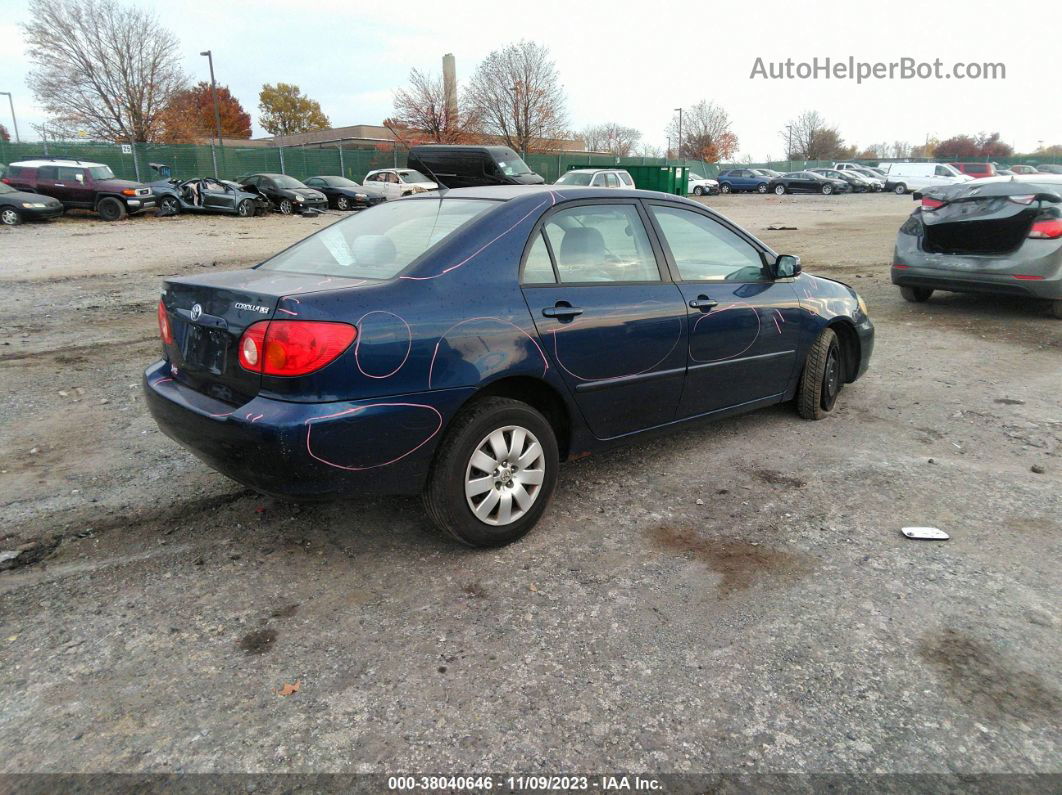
point(631, 62)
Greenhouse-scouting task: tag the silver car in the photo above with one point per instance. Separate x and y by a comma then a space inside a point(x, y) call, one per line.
point(1000, 235)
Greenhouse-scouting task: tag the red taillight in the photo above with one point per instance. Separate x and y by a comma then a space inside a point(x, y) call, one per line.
point(1028, 277)
point(164, 324)
point(293, 347)
point(1047, 230)
point(931, 204)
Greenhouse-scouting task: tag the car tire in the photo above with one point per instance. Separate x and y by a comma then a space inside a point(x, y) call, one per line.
point(1056, 308)
point(761, 188)
point(110, 209)
point(779, 190)
point(342, 203)
point(827, 190)
point(245, 209)
point(456, 481)
point(286, 207)
point(900, 189)
point(9, 216)
point(823, 377)
point(916, 295)
point(168, 205)
point(698, 191)
point(724, 188)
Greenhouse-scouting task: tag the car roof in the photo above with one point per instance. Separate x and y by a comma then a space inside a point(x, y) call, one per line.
point(54, 162)
point(563, 193)
point(592, 170)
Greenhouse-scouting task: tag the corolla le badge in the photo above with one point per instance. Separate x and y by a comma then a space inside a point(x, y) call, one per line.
point(197, 312)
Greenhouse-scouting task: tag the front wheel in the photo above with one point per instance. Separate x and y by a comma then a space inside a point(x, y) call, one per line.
point(494, 474)
point(698, 191)
point(9, 216)
point(342, 203)
point(827, 190)
point(779, 190)
point(285, 207)
point(110, 209)
point(245, 209)
point(168, 205)
point(823, 377)
point(761, 188)
point(724, 188)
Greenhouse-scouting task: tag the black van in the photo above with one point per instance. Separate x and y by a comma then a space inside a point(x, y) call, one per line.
point(471, 166)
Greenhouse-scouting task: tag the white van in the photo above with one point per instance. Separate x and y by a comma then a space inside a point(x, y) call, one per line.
point(906, 177)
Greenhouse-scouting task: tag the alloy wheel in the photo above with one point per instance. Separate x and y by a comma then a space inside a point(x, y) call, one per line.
point(504, 475)
point(9, 217)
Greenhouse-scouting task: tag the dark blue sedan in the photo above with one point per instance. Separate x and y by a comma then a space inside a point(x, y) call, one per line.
point(461, 346)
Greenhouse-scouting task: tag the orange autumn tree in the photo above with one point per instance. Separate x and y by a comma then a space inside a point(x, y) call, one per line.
point(189, 116)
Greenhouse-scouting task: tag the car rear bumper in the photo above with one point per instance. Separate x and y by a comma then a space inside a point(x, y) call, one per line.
point(1033, 270)
point(307, 450)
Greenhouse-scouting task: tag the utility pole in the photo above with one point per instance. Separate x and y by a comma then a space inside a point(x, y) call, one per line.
point(14, 121)
point(680, 133)
point(789, 146)
point(217, 114)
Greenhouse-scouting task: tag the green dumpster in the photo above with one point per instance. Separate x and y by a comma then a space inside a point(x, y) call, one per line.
point(666, 179)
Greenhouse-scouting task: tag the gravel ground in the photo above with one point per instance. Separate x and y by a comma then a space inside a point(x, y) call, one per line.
point(735, 597)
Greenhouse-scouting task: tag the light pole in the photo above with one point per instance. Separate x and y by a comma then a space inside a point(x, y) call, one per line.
point(217, 115)
point(789, 146)
point(14, 121)
point(680, 133)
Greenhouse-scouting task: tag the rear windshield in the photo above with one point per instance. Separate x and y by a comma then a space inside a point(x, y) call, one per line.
point(575, 178)
point(378, 243)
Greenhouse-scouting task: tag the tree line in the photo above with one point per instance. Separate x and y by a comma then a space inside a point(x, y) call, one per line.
point(106, 71)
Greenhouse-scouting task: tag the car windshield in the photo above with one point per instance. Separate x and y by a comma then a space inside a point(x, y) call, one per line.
point(340, 182)
point(412, 176)
point(378, 243)
point(6, 188)
point(954, 171)
point(575, 178)
point(101, 172)
point(695, 177)
point(285, 182)
point(511, 165)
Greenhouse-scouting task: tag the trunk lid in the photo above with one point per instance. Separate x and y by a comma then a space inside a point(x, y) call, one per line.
point(208, 314)
point(990, 218)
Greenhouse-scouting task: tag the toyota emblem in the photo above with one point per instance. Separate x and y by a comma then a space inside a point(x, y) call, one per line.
point(197, 312)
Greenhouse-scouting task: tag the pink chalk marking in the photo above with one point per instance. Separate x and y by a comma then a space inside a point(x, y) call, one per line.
point(556, 353)
point(431, 367)
point(716, 312)
point(287, 312)
point(477, 251)
point(357, 344)
point(356, 410)
point(160, 381)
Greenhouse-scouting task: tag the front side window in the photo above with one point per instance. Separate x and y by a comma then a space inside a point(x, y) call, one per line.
point(381, 243)
point(601, 243)
point(101, 172)
point(613, 180)
point(71, 174)
point(705, 250)
point(628, 180)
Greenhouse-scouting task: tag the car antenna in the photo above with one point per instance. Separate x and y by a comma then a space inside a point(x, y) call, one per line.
point(440, 187)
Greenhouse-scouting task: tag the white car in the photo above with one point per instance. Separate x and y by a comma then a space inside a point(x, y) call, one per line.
point(398, 182)
point(597, 178)
point(699, 186)
point(907, 177)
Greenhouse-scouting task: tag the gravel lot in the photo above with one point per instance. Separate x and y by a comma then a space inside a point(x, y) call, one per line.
point(735, 597)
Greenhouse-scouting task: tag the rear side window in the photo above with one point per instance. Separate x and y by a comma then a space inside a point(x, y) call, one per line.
point(705, 250)
point(538, 267)
point(15, 171)
point(47, 172)
point(613, 180)
point(378, 243)
point(601, 243)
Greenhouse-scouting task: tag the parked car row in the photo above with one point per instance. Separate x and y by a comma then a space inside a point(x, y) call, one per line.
point(46, 187)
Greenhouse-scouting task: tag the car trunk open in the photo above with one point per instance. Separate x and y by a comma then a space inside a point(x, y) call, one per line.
point(209, 314)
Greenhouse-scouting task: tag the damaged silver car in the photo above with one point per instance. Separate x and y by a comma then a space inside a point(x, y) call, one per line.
point(1001, 236)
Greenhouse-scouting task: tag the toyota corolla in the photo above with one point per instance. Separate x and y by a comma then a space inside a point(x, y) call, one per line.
point(461, 346)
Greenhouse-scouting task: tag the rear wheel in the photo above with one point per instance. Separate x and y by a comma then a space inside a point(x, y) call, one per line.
point(779, 190)
point(827, 190)
point(900, 189)
point(494, 474)
point(245, 209)
point(110, 209)
point(9, 216)
point(761, 188)
point(822, 379)
point(285, 207)
point(342, 203)
point(724, 188)
point(916, 295)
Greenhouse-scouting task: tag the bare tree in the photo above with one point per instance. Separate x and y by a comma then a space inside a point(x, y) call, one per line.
point(650, 150)
point(809, 137)
point(611, 137)
point(516, 94)
point(706, 133)
point(423, 106)
point(101, 67)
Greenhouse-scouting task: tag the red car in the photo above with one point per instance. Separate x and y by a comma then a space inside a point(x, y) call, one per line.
point(976, 170)
point(77, 184)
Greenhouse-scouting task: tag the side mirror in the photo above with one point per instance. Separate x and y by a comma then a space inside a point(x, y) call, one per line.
point(786, 266)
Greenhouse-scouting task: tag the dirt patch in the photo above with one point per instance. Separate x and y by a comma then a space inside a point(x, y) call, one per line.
point(984, 681)
point(259, 641)
point(740, 563)
point(288, 611)
point(773, 477)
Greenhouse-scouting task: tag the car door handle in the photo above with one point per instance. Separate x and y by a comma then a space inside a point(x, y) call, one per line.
point(703, 303)
point(562, 312)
